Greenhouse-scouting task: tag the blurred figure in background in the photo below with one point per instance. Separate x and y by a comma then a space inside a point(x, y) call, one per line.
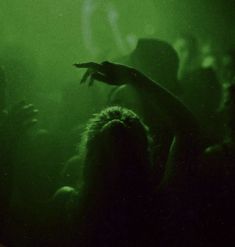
point(187, 48)
point(197, 80)
point(2, 89)
point(228, 67)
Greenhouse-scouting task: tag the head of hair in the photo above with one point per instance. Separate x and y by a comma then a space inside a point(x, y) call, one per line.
point(115, 150)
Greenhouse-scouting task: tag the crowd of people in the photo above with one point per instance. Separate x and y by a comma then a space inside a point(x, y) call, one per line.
point(154, 166)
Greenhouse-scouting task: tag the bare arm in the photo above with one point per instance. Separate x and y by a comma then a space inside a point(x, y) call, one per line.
point(184, 149)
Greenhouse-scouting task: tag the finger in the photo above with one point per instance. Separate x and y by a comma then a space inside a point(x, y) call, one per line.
point(28, 110)
point(90, 65)
point(85, 76)
point(30, 122)
point(91, 81)
point(28, 107)
point(24, 114)
point(31, 112)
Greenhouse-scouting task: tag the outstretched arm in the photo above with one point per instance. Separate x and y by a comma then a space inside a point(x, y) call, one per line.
point(184, 149)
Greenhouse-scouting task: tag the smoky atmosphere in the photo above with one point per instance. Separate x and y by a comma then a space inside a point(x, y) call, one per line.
point(117, 123)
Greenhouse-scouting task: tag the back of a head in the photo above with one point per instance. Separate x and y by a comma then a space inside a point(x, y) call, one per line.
point(116, 190)
point(158, 60)
point(115, 149)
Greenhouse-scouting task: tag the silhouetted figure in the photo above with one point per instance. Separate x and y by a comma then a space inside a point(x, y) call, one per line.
point(116, 206)
point(203, 95)
point(13, 126)
point(187, 48)
point(217, 185)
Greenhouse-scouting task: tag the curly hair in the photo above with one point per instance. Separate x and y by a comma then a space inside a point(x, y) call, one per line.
point(115, 144)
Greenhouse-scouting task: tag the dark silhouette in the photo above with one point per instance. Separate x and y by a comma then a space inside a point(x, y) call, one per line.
point(116, 204)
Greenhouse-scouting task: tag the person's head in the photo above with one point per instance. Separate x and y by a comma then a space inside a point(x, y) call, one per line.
point(115, 150)
point(186, 44)
point(187, 48)
point(158, 60)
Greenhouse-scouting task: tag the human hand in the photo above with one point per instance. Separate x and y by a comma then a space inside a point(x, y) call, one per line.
point(110, 73)
point(18, 120)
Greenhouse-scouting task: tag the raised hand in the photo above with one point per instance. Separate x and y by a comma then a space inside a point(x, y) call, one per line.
point(18, 120)
point(110, 73)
